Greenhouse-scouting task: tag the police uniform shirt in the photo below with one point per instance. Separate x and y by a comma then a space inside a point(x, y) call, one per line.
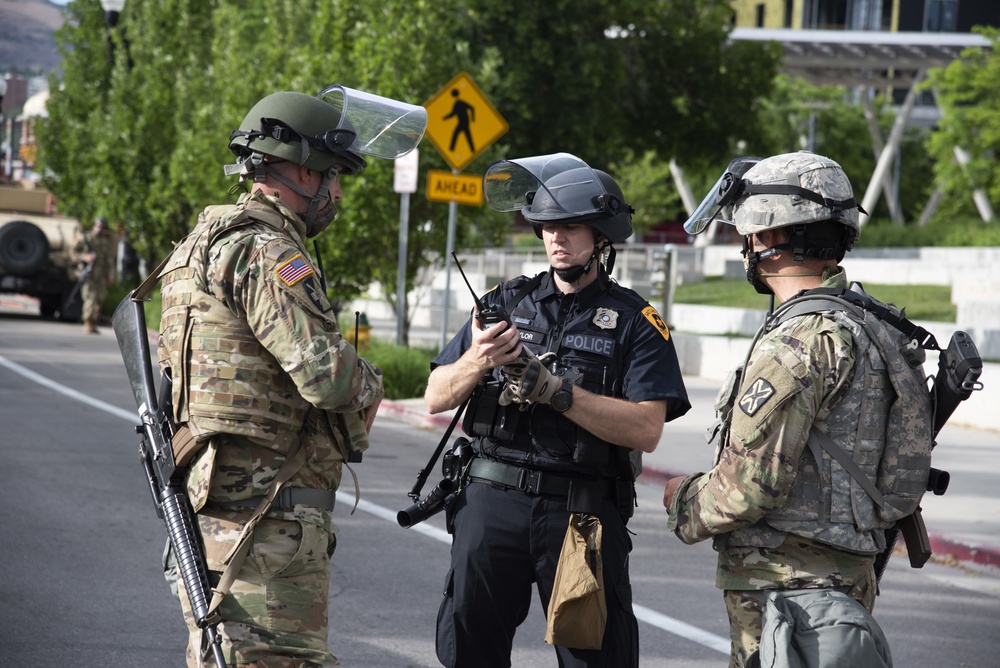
point(608, 340)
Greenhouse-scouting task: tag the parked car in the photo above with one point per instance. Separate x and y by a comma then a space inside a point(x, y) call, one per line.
point(36, 252)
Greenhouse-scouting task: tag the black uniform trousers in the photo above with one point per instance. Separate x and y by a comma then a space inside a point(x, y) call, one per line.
point(505, 540)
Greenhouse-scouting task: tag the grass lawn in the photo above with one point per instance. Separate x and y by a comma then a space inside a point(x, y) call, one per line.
point(922, 302)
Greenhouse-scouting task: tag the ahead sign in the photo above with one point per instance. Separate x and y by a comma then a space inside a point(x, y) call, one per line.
point(461, 188)
point(461, 122)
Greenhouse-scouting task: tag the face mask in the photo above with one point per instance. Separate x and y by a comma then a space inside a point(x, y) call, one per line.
point(317, 219)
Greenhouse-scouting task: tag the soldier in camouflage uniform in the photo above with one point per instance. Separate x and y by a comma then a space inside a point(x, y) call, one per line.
point(262, 377)
point(97, 249)
point(778, 520)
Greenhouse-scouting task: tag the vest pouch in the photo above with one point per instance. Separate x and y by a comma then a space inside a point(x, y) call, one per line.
point(357, 435)
point(590, 451)
point(486, 417)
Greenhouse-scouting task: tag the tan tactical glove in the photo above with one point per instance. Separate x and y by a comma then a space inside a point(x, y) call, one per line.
point(529, 380)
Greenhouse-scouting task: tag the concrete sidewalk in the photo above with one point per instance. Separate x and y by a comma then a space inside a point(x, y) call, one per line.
point(964, 524)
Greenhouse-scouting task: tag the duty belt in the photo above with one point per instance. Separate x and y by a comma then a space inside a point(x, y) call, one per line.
point(531, 481)
point(287, 499)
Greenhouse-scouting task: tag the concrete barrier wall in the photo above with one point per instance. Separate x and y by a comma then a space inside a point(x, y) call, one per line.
point(713, 357)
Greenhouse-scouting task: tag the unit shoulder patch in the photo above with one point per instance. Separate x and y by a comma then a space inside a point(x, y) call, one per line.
point(654, 318)
point(758, 394)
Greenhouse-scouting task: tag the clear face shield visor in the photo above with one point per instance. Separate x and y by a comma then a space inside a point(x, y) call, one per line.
point(718, 203)
point(374, 125)
point(545, 187)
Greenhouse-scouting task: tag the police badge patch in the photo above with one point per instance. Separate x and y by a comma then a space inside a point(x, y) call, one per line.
point(756, 396)
point(605, 318)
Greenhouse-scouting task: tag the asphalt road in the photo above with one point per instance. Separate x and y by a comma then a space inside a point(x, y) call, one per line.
point(80, 580)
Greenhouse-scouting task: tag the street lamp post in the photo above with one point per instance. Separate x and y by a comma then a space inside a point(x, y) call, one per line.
point(112, 9)
point(3, 129)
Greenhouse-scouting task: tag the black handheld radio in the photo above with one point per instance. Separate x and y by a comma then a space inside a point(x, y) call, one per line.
point(485, 316)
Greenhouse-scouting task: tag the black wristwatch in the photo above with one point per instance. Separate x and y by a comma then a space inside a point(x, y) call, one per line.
point(562, 400)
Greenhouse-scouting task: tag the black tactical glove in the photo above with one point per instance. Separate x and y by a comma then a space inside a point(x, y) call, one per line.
point(529, 380)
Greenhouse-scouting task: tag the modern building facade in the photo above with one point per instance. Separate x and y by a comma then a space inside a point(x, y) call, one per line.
point(888, 15)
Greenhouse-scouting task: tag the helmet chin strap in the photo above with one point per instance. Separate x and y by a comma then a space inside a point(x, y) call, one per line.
point(573, 274)
point(316, 219)
point(751, 262)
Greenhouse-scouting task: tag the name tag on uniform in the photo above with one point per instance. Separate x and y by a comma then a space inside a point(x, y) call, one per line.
point(529, 336)
point(589, 343)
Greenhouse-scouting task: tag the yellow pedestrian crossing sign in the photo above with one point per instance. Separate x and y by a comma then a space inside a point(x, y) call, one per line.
point(461, 122)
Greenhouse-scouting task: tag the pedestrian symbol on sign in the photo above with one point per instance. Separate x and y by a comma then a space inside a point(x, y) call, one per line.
point(461, 122)
point(465, 113)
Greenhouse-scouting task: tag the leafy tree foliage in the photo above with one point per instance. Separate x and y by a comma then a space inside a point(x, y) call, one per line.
point(140, 133)
point(969, 97)
point(830, 121)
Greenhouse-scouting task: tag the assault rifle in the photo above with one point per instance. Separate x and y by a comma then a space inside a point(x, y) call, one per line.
point(85, 273)
point(166, 480)
point(959, 369)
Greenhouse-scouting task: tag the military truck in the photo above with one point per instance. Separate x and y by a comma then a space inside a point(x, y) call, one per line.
point(36, 252)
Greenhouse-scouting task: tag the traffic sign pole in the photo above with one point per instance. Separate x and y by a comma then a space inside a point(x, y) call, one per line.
point(450, 246)
point(404, 229)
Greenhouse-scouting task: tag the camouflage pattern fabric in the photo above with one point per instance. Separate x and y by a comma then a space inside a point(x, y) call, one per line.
point(795, 375)
point(93, 290)
point(279, 347)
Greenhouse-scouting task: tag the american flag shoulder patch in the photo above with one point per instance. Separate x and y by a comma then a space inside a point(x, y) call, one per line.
point(294, 270)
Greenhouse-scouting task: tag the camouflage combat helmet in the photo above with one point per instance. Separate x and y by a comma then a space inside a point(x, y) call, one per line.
point(299, 128)
point(793, 189)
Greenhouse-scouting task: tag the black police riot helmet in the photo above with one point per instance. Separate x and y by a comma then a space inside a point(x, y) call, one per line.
point(333, 129)
point(559, 189)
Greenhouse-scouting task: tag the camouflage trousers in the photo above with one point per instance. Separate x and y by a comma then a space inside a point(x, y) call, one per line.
point(275, 614)
point(92, 294)
point(746, 614)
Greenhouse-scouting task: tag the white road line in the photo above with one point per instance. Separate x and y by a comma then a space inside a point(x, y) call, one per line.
point(651, 617)
point(69, 392)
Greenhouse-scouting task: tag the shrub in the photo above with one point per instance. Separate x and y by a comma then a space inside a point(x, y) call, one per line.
point(404, 370)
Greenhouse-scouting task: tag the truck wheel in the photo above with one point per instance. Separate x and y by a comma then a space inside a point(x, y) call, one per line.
point(23, 248)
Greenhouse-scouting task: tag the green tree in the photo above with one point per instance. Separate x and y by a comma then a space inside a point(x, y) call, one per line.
point(968, 95)
point(834, 120)
point(143, 140)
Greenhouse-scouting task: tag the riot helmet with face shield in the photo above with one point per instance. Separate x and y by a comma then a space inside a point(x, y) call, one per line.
point(808, 195)
point(561, 189)
point(328, 133)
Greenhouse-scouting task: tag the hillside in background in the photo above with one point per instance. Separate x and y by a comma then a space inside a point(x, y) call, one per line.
point(27, 45)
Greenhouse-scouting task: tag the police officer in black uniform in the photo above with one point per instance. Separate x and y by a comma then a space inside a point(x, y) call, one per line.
point(565, 393)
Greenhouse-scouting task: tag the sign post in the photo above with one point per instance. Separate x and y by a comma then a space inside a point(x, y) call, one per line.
point(404, 182)
point(461, 123)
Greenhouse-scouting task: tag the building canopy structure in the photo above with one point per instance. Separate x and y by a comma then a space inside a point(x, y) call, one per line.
point(871, 59)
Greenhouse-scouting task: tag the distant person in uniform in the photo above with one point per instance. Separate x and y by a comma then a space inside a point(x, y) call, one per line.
point(128, 259)
point(465, 113)
point(96, 254)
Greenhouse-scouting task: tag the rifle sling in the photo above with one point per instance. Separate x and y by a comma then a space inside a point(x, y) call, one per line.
point(234, 560)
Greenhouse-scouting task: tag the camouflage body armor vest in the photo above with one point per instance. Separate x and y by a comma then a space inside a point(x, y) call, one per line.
point(883, 425)
point(224, 380)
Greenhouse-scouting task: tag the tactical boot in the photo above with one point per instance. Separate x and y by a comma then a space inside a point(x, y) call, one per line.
point(89, 327)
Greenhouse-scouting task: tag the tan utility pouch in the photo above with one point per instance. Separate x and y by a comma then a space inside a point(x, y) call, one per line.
point(578, 610)
point(185, 446)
